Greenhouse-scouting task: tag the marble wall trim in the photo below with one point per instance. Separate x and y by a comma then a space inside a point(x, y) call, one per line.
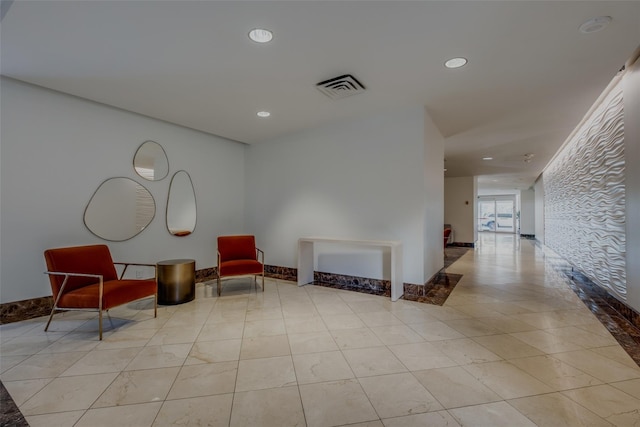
point(462, 244)
point(26, 309)
point(206, 274)
point(272, 271)
point(435, 291)
point(282, 273)
point(353, 283)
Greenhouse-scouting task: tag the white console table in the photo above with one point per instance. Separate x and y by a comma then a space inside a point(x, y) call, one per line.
point(306, 259)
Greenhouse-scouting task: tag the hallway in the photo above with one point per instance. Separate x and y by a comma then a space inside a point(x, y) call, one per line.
point(513, 345)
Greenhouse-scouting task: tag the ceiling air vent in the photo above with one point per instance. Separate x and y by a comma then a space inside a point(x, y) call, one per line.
point(341, 87)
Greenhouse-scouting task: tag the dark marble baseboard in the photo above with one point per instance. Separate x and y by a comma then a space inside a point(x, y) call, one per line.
point(206, 274)
point(272, 271)
point(353, 283)
point(27, 309)
point(528, 236)
point(461, 244)
point(282, 273)
point(435, 291)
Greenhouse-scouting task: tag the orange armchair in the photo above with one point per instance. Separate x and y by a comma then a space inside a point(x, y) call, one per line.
point(238, 256)
point(85, 278)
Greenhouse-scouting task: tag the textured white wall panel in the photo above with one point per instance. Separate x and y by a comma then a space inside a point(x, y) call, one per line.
point(585, 198)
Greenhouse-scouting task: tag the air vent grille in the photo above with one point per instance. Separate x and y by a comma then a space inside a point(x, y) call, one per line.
point(341, 87)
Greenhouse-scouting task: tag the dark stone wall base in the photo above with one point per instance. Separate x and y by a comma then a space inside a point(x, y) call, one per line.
point(272, 271)
point(462, 244)
point(435, 291)
point(27, 309)
point(353, 283)
point(282, 273)
point(206, 274)
point(528, 236)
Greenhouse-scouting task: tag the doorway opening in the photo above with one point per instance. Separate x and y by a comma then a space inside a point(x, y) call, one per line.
point(498, 214)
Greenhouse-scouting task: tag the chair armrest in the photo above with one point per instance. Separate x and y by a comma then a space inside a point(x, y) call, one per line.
point(127, 264)
point(261, 253)
point(61, 273)
point(66, 278)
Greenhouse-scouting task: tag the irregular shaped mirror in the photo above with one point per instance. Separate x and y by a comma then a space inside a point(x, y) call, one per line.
point(181, 205)
point(119, 210)
point(151, 162)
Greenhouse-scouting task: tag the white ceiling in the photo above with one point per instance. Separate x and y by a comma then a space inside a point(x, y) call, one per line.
point(531, 74)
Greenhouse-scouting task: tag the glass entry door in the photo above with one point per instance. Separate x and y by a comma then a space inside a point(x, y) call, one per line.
point(505, 219)
point(496, 214)
point(487, 214)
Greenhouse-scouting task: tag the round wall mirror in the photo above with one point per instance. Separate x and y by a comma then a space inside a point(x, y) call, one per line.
point(151, 162)
point(119, 210)
point(181, 205)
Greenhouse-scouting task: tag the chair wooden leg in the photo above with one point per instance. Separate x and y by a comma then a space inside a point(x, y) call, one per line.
point(53, 310)
point(219, 286)
point(263, 281)
point(155, 306)
point(100, 324)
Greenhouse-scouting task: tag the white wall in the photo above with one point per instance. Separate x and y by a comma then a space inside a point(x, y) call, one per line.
point(361, 179)
point(539, 209)
point(434, 198)
point(57, 149)
point(527, 212)
point(460, 207)
point(631, 90)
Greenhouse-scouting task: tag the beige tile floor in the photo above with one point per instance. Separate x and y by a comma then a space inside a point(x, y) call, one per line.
point(512, 346)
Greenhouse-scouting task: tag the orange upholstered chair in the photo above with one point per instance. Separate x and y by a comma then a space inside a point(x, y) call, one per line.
point(238, 256)
point(85, 278)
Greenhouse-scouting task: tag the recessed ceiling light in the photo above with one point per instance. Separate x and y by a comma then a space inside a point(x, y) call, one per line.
point(263, 114)
point(260, 35)
point(456, 62)
point(594, 25)
point(487, 158)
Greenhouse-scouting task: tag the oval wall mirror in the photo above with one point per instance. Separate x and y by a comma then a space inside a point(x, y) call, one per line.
point(119, 209)
point(181, 205)
point(151, 162)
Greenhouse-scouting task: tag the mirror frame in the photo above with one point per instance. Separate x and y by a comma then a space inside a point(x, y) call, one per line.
point(163, 152)
point(84, 215)
point(195, 204)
